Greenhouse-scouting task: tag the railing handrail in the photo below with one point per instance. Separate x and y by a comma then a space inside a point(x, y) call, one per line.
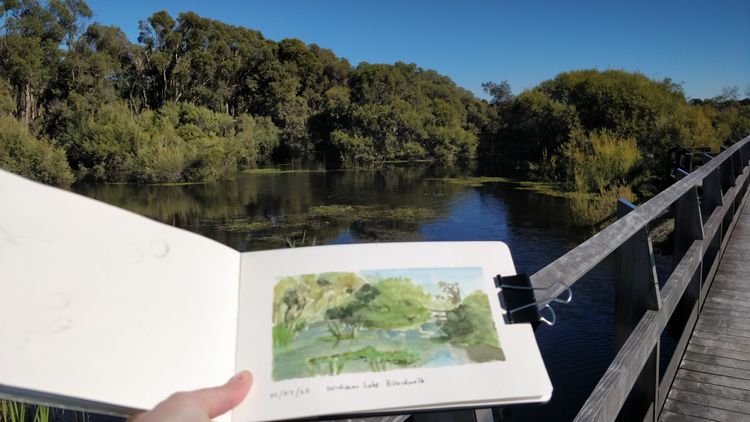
point(565, 271)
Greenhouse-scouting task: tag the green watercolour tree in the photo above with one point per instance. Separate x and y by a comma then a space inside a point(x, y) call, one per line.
point(389, 304)
point(306, 299)
point(470, 323)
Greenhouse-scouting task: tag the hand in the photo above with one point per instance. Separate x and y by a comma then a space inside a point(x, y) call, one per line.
point(199, 405)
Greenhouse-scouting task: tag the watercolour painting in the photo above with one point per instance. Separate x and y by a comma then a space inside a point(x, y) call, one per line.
point(379, 320)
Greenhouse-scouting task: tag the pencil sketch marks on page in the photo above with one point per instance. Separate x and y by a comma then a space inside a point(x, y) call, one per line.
point(380, 320)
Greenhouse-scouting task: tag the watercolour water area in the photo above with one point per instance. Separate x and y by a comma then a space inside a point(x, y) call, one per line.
point(378, 320)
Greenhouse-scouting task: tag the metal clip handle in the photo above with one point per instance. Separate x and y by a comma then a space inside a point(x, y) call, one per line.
point(549, 322)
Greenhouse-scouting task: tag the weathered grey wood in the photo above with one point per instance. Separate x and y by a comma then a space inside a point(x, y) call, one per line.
point(737, 163)
point(679, 349)
point(727, 173)
point(692, 238)
point(715, 369)
point(713, 379)
point(637, 287)
point(483, 415)
point(712, 389)
point(610, 393)
point(725, 321)
point(718, 350)
point(717, 360)
point(711, 401)
point(720, 337)
point(736, 312)
point(721, 330)
point(688, 225)
point(394, 418)
point(668, 416)
point(722, 353)
point(711, 192)
point(709, 413)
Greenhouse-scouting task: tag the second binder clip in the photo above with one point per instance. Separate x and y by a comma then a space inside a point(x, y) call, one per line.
point(517, 295)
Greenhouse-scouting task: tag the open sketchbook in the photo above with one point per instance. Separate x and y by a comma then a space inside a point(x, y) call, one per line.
point(109, 311)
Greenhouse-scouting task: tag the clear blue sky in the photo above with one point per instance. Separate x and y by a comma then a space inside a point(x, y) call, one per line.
point(703, 44)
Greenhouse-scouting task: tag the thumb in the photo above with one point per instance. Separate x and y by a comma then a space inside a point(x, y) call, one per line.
point(216, 401)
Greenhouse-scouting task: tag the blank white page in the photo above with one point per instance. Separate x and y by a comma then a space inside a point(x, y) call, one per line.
point(100, 303)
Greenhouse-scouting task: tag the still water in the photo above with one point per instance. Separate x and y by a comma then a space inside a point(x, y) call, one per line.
point(275, 209)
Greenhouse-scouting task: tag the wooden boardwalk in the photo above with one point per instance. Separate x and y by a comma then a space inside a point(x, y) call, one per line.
point(713, 380)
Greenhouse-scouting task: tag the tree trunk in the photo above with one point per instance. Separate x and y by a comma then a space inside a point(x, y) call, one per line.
point(27, 105)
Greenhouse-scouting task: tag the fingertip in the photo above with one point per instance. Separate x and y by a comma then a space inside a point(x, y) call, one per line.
point(238, 387)
point(242, 378)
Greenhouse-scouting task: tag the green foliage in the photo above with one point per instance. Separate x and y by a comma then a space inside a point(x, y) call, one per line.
point(282, 335)
point(197, 99)
point(393, 303)
point(602, 131)
point(353, 150)
point(37, 159)
point(595, 209)
point(600, 160)
point(177, 143)
point(470, 323)
point(401, 112)
point(398, 304)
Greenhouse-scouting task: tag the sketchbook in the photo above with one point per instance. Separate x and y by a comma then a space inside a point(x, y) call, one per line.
point(107, 311)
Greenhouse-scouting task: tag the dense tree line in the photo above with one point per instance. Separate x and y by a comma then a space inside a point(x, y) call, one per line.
point(604, 131)
point(197, 99)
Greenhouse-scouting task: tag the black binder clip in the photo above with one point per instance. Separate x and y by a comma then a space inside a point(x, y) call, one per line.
point(517, 294)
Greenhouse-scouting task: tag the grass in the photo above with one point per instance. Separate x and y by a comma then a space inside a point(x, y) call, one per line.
point(21, 412)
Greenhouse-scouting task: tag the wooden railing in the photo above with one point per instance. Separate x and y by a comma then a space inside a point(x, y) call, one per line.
point(706, 204)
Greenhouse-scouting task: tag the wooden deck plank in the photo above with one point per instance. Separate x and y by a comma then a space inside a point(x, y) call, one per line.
point(712, 390)
point(668, 416)
point(741, 365)
point(706, 412)
point(739, 312)
point(726, 322)
point(713, 328)
point(727, 303)
point(743, 354)
point(723, 345)
point(721, 337)
point(708, 400)
point(713, 380)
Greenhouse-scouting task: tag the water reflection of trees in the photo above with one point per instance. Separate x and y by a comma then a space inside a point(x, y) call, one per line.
point(388, 204)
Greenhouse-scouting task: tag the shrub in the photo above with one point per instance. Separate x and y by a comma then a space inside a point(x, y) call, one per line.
point(600, 160)
point(37, 159)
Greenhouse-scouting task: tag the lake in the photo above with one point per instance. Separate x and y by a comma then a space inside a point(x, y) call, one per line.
point(273, 209)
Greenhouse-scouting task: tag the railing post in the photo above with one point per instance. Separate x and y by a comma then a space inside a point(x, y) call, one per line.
point(636, 291)
point(688, 228)
point(711, 199)
point(712, 195)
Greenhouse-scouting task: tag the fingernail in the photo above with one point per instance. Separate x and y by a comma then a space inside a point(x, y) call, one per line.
point(240, 378)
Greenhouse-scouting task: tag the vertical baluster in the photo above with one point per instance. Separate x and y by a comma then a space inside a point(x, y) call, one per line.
point(636, 291)
point(712, 198)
